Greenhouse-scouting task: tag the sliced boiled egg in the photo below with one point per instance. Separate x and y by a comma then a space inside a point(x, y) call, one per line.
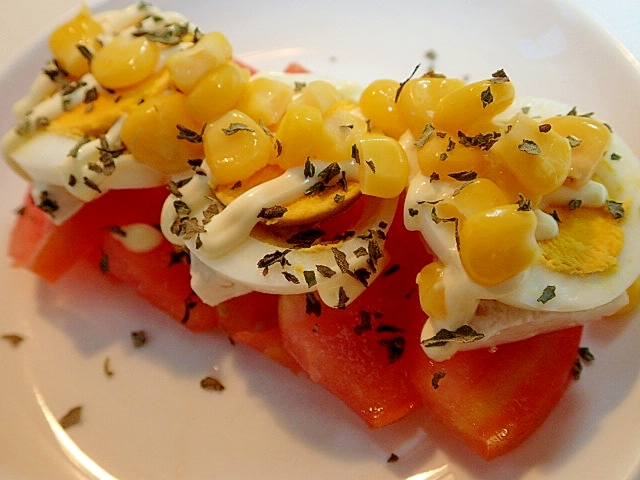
point(565, 254)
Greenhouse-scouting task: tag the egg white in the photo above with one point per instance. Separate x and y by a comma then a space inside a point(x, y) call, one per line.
point(511, 311)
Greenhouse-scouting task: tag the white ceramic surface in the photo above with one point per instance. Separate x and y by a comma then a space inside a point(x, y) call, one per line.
point(151, 420)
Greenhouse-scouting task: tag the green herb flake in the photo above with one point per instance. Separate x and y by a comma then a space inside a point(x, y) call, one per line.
point(574, 204)
point(486, 97)
point(13, 338)
point(104, 263)
point(614, 156)
point(615, 208)
point(341, 259)
point(530, 147)
point(424, 136)
point(365, 323)
point(574, 141)
point(393, 458)
point(585, 354)
point(313, 305)
point(309, 168)
point(139, 338)
point(371, 165)
point(524, 204)
point(401, 86)
point(290, 277)
point(413, 212)
point(325, 271)
point(310, 278)
point(499, 76)
point(395, 348)
point(435, 379)
point(463, 334)
point(549, 293)
point(235, 127)
point(465, 176)
point(71, 418)
point(211, 383)
point(544, 127)
point(343, 298)
point(189, 135)
point(270, 213)
point(106, 367)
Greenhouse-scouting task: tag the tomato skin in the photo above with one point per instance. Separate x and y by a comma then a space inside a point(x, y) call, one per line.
point(159, 279)
point(49, 250)
point(355, 364)
point(493, 400)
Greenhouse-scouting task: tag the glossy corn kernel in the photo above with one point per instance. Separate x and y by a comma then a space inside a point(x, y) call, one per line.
point(539, 160)
point(298, 135)
point(431, 289)
point(188, 66)
point(476, 103)
point(341, 130)
point(497, 244)
point(378, 104)
point(217, 92)
point(266, 99)
point(384, 168)
point(478, 195)
point(418, 99)
point(589, 140)
point(319, 94)
point(82, 30)
point(235, 147)
point(151, 132)
point(444, 156)
point(124, 62)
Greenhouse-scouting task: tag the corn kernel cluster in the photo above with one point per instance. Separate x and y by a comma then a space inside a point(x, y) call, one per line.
point(209, 106)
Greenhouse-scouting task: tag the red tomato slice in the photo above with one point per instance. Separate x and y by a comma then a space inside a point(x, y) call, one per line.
point(252, 320)
point(493, 401)
point(49, 250)
point(161, 278)
point(356, 353)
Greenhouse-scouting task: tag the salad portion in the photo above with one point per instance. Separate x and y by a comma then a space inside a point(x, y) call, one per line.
point(424, 243)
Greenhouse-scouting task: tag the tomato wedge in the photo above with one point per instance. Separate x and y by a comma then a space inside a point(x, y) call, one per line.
point(357, 353)
point(49, 250)
point(493, 400)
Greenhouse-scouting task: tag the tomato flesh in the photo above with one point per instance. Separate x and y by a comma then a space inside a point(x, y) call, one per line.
point(49, 251)
point(493, 400)
point(356, 361)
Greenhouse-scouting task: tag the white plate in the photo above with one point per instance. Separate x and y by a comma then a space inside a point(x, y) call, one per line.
point(152, 420)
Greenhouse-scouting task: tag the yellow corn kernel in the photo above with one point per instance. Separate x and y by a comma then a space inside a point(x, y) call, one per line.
point(188, 66)
point(265, 99)
point(298, 135)
point(498, 243)
point(83, 30)
point(634, 298)
point(478, 195)
point(151, 131)
point(235, 147)
point(384, 167)
point(418, 99)
point(509, 184)
point(540, 161)
point(431, 289)
point(319, 94)
point(589, 139)
point(124, 62)
point(378, 104)
point(341, 130)
point(444, 156)
point(471, 104)
point(217, 92)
